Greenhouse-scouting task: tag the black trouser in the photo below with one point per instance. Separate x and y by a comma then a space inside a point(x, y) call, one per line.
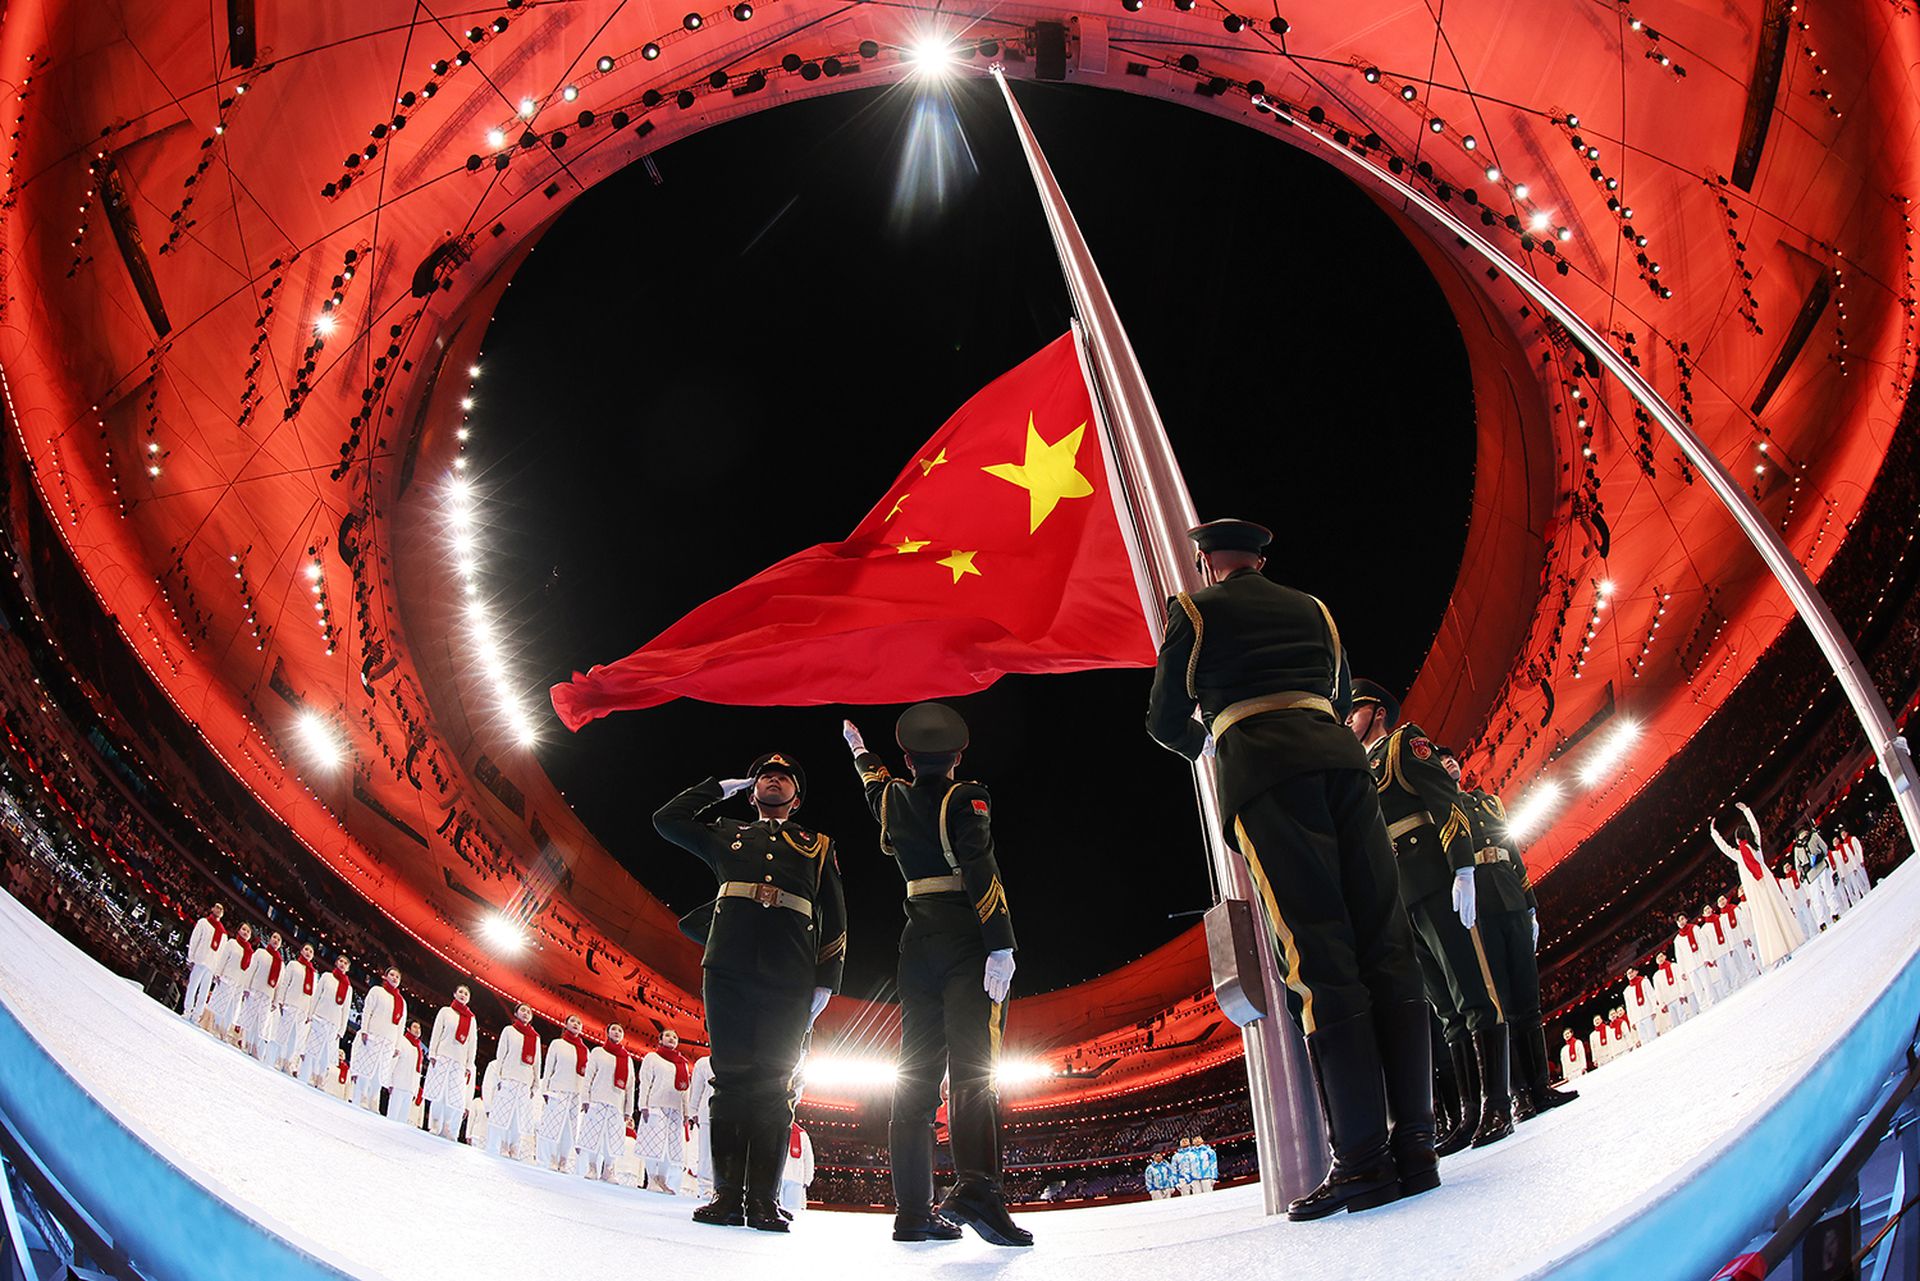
point(948, 1028)
point(1507, 940)
point(1433, 976)
point(757, 1031)
point(1457, 954)
point(1323, 865)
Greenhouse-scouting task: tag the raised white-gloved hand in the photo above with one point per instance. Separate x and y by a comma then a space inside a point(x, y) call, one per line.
point(999, 975)
point(1206, 748)
point(851, 732)
point(729, 786)
point(821, 995)
point(1466, 901)
point(1533, 919)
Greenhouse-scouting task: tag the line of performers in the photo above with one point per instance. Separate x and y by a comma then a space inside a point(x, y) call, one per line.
point(566, 1104)
point(1188, 1170)
point(1730, 943)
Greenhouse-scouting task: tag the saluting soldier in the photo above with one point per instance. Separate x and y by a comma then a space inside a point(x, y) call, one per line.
point(1510, 933)
point(1433, 843)
point(776, 947)
point(1263, 663)
point(956, 965)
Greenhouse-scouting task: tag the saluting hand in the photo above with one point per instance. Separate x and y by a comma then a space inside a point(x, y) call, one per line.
point(851, 733)
point(729, 786)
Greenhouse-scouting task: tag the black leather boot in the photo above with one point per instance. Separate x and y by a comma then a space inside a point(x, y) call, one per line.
point(1466, 1072)
point(981, 1207)
point(1347, 1073)
point(727, 1209)
point(1496, 1092)
point(910, 1152)
point(766, 1160)
point(1446, 1086)
point(1538, 1089)
point(1401, 1031)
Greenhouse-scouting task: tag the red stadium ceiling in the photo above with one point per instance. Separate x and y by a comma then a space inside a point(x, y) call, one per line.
point(253, 247)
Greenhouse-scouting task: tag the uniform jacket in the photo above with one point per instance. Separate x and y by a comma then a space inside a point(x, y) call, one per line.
point(1407, 770)
point(1245, 637)
point(1503, 885)
point(910, 817)
point(774, 944)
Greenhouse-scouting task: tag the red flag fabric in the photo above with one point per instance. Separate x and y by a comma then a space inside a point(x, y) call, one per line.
point(998, 549)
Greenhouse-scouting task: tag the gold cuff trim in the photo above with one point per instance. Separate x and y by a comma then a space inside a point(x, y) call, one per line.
point(994, 900)
point(935, 885)
point(1286, 699)
point(832, 950)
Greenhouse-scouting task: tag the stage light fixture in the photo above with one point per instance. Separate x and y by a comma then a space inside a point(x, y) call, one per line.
point(322, 739)
point(1133, 6)
point(1521, 191)
point(603, 64)
point(502, 935)
point(1372, 74)
point(1020, 1072)
point(1565, 233)
point(649, 51)
point(1437, 125)
point(742, 11)
point(1493, 173)
point(931, 54)
point(1279, 26)
point(473, 371)
point(324, 326)
point(570, 93)
point(1533, 809)
point(466, 402)
point(1469, 141)
point(527, 108)
point(692, 22)
point(1234, 24)
point(1609, 754)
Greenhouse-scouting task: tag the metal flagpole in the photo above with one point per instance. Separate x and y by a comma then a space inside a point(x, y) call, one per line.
point(1286, 1117)
point(1890, 750)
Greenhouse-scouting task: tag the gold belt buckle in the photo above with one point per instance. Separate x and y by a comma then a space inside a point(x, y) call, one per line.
point(766, 895)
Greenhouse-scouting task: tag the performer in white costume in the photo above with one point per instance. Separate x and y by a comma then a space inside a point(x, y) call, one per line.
point(1624, 1038)
point(1776, 931)
point(1690, 959)
point(564, 1088)
point(603, 1139)
point(405, 1098)
point(1642, 1003)
point(1574, 1060)
point(229, 978)
point(202, 946)
point(256, 998)
point(1601, 1043)
point(451, 1052)
point(798, 1173)
point(320, 1048)
point(292, 1005)
point(700, 1113)
point(383, 1018)
point(661, 1096)
point(1671, 991)
point(513, 1072)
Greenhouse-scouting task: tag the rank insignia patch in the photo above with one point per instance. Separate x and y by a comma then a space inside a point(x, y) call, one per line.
point(979, 807)
point(1422, 748)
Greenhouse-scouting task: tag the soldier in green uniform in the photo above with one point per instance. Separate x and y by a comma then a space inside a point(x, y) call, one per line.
point(1263, 664)
point(776, 947)
point(1433, 843)
point(1510, 932)
point(956, 964)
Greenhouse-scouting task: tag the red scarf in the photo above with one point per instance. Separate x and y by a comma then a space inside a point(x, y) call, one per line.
point(1620, 1027)
point(399, 1002)
point(793, 1143)
point(273, 970)
point(1686, 932)
point(622, 1061)
point(1719, 934)
point(580, 1048)
point(1733, 916)
point(1577, 1050)
point(246, 953)
point(682, 1070)
point(1666, 968)
point(342, 988)
point(1793, 874)
point(1638, 995)
point(1601, 1032)
point(420, 1054)
point(528, 1046)
point(343, 1071)
point(219, 932)
point(465, 1016)
point(1751, 863)
point(306, 984)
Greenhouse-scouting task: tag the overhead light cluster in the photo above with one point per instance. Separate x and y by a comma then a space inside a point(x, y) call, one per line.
point(316, 578)
point(1653, 631)
point(1599, 767)
point(321, 739)
point(1602, 592)
point(463, 522)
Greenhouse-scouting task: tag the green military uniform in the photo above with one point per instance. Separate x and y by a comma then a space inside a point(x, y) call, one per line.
point(778, 931)
point(939, 833)
point(1263, 664)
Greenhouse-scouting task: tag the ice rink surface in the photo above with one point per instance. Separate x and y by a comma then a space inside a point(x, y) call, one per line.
point(375, 1199)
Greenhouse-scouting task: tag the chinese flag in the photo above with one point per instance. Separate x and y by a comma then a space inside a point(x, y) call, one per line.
point(997, 550)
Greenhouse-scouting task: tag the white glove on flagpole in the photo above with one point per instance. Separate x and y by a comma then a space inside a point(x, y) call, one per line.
point(821, 995)
point(1466, 901)
point(999, 975)
point(851, 732)
point(1206, 748)
point(729, 786)
point(1533, 919)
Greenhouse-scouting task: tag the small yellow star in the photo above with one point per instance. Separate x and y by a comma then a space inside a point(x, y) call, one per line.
point(1047, 474)
point(909, 545)
point(927, 465)
point(896, 507)
point(961, 563)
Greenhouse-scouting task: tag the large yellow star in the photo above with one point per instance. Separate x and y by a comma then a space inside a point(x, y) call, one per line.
point(1047, 473)
point(907, 545)
point(961, 563)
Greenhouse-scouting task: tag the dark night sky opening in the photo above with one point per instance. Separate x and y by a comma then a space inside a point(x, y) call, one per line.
point(656, 424)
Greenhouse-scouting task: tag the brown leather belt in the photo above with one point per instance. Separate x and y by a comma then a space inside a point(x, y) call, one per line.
point(936, 885)
point(767, 896)
point(1234, 713)
point(1411, 823)
point(1492, 854)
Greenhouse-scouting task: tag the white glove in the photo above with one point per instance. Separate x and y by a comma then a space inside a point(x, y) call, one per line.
point(850, 732)
point(999, 975)
point(729, 786)
point(1466, 901)
point(1533, 919)
point(821, 995)
point(1206, 748)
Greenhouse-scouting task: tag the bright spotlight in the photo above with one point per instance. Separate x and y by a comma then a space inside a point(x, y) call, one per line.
point(473, 371)
point(527, 108)
point(1606, 587)
point(1528, 816)
point(501, 934)
point(604, 65)
point(570, 93)
point(313, 571)
point(466, 402)
point(324, 326)
point(1521, 190)
point(833, 1070)
point(322, 739)
point(932, 54)
point(1541, 220)
point(496, 138)
point(1609, 754)
point(1020, 1072)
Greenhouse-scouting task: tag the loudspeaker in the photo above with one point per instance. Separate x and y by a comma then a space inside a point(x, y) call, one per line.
point(1235, 961)
point(1049, 51)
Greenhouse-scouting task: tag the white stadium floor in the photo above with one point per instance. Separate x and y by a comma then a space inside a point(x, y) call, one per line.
point(1669, 1162)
